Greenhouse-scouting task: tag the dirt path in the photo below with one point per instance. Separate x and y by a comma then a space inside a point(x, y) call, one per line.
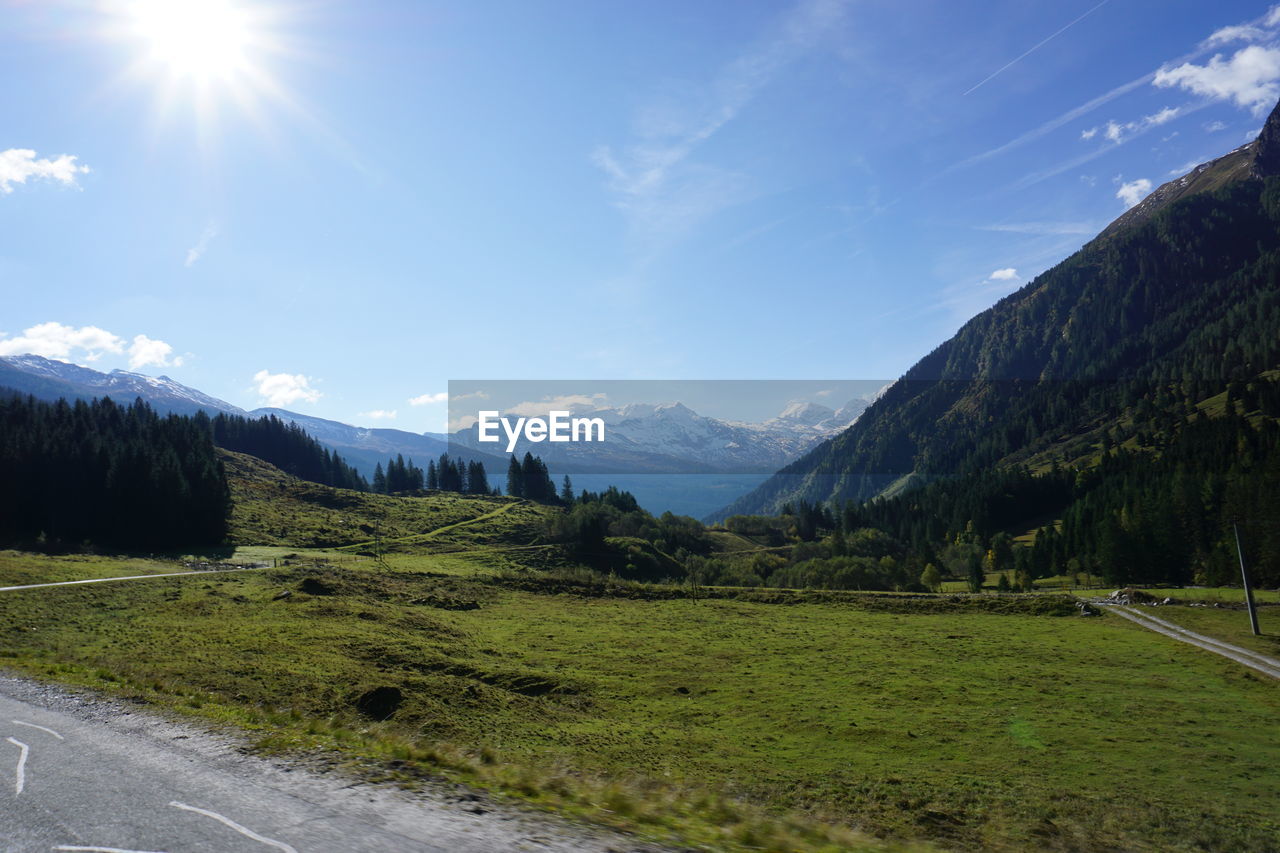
point(1259, 662)
point(414, 538)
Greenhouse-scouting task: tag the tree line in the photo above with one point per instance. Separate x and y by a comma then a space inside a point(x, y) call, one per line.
point(445, 474)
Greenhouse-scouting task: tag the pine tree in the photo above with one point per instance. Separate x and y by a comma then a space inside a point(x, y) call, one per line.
point(515, 479)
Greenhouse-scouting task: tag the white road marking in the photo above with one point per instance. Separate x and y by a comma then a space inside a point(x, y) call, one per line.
point(128, 578)
point(41, 728)
point(245, 831)
point(20, 775)
point(100, 849)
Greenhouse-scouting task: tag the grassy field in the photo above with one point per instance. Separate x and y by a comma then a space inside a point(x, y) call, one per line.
point(723, 718)
point(727, 723)
point(17, 568)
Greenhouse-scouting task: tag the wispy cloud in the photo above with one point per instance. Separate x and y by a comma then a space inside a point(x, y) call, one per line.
point(1132, 192)
point(197, 251)
point(378, 415)
point(88, 343)
point(1270, 19)
point(655, 179)
point(1023, 56)
point(1126, 134)
point(283, 389)
point(1115, 131)
point(18, 165)
point(1239, 32)
point(1042, 228)
point(427, 399)
point(1250, 78)
point(1006, 274)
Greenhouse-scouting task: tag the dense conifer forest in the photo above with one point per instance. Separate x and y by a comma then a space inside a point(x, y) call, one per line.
point(107, 474)
point(286, 446)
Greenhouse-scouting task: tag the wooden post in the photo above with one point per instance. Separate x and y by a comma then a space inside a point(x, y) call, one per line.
point(1248, 590)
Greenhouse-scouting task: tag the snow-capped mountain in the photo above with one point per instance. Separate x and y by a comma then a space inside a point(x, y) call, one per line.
point(672, 438)
point(642, 438)
point(48, 378)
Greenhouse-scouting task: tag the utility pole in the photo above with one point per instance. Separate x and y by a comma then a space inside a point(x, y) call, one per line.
point(1248, 590)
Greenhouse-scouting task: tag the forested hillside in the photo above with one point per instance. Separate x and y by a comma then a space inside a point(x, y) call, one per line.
point(1102, 365)
point(286, 446)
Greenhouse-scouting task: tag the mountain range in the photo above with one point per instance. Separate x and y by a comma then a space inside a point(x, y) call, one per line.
point(669, 440)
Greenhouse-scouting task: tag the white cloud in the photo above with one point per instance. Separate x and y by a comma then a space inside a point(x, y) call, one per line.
point(19, 164)
point(1273, 17)
point(1251, 135)
point(379, 415)
point(427, 399)
point(88, 343)
point(281, 389)
point(54, 340)
point(1133, 192)
point(1239, 32)
point(144, 352)
point(1214, 126)
point(565, 402)
point(1006, 274)
point(1250, 78)
point(1118, 132)
point(202, 245)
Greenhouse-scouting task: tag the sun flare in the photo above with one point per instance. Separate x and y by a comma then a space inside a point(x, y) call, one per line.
point(194, 38)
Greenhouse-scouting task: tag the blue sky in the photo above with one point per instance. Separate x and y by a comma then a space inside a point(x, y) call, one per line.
point(337, 207)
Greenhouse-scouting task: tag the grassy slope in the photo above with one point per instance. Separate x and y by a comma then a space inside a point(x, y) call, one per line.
point(271, 508)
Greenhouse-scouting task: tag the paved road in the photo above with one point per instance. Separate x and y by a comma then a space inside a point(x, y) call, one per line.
point(1253, 660)
point(83, 774)
point(131, 578)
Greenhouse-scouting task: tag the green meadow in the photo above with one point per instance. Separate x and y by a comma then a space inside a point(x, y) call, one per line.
point(786, 723)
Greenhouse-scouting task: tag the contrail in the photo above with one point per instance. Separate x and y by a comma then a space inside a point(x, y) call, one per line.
point(1037, 47)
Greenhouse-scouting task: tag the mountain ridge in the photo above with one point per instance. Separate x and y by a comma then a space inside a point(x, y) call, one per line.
point(1178, 289)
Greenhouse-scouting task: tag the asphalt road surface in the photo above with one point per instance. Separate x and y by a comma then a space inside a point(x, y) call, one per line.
point(88, 774)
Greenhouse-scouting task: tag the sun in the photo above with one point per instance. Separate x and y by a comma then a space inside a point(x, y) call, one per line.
point(202, 39)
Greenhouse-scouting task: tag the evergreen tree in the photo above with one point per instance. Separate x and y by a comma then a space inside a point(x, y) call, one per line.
point(477, 478)
point(515, 479)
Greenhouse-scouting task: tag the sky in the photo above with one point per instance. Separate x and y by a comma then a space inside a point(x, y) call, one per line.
point(338, 207)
